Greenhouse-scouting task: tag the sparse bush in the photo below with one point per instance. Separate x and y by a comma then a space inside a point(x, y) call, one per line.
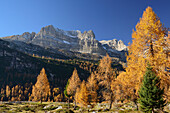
point(77, 107)
point(2, 105)
point(5, 108)
point(9, 103)
point(61, 110)
point(18, 109)
point(26, 108)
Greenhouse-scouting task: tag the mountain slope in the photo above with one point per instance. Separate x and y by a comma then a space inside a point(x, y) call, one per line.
point(19, 68)
point(68, 43)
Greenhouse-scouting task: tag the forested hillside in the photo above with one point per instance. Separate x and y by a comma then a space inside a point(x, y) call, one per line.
point(20, 70)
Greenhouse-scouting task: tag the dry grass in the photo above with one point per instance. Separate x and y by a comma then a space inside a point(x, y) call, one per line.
point(36, 107)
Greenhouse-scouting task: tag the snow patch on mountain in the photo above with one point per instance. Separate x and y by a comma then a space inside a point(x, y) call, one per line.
point(66, 42)
point(114, 44)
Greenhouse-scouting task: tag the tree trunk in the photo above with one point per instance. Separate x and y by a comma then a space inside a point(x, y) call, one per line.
point(111, 95)
point(152, 110)
point(74, 104)
point(111, 99)
point(41, 98)
point(151, 48)
point(68, 103)
point(111, 104)
point(137, 106)
point(135, 101)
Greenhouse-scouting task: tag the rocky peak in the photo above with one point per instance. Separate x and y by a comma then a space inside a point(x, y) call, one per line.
point(28, 35)
point(48, 30)
point(25, 33)
point(114, 44)
point(25, 37)
point(86, 35)
point(90, 33)
point(121, 45)
point(120, 42)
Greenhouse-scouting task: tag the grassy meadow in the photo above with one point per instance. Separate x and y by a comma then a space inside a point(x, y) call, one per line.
point(62, 107)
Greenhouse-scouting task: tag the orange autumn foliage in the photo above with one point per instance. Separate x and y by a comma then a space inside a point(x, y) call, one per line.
point(74, 82)
point(41, 89)
point(106, 75)
point(92, 88)
point(149, 45)
point(81, 95)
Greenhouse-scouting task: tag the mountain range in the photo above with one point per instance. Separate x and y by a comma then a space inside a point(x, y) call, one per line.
point(57, 43)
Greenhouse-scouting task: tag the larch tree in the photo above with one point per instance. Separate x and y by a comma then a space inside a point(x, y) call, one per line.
point(55, 93)
point(149, 45)
point(105, 76)
point(150, 93)
point(82, 95)
point(8, 92)
point(92, 87)
point(74, 83)
point(118, 87)
point(2, 94)
point(41, 89)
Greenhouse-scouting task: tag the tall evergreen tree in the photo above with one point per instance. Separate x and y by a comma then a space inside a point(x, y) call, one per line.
point(150, 93)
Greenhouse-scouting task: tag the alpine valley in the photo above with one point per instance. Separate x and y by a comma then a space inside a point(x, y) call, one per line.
point(23, 56)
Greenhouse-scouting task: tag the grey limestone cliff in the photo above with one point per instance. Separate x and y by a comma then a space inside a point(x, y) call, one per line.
point(70, 41)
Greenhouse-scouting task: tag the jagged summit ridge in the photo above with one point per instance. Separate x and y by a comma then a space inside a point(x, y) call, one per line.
point(25, 37)
point(50, 37)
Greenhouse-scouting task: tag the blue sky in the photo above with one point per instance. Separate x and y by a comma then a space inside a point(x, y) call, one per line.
point(107, 18)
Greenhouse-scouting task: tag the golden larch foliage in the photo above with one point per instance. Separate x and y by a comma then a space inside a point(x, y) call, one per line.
point(119, 88)
point(82, 95)
point(149, 45)
point(41, 89)
point(106, 75)
point(8, 91)
point(92, 87)
point(74, 82)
